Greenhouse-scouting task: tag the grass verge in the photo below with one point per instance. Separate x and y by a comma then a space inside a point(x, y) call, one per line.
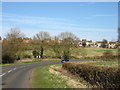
point(5, 65)
point(42, 78)
point(54, 76)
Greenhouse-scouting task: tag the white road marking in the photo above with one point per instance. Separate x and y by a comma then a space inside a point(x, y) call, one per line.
point(9, 71)
point(2, 74)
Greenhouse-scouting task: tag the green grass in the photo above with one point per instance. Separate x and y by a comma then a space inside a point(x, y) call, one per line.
point(94, 51)
point(91, 51)
point(6, 64)
point(42, 78)
point(34, 61)
point(76, 52)
point(103, 50)
point(109, 64)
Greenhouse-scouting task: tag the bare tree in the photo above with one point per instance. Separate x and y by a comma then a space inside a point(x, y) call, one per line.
point(41, 40)
point(12, 44)
point(68, 40)
point(14, 34)
point(56, 47)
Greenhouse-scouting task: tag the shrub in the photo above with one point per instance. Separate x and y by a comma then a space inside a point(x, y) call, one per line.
point(96, 75)
point(7, 59)
point(84, 44)
point(26, 56)
point(35, 53)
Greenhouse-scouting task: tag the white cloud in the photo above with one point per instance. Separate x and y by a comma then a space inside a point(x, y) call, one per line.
point(48, 23)
point(32, 25)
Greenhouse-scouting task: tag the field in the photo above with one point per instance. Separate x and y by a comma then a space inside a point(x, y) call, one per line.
point(103, 63)
point(98, 51)
point(76, 52)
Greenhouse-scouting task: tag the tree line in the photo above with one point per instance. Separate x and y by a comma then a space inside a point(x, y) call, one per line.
point(13, 45)
point(64, 46)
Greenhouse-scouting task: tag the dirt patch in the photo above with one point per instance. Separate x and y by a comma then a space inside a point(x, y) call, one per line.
point(25, 60)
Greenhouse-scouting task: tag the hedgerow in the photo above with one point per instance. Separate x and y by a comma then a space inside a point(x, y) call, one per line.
point(103, 77)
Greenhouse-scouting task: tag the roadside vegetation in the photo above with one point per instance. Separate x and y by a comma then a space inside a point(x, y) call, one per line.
point(102, 74)
point(76, 75)
point(40, 79)
point(6, 64)
point(54, 77)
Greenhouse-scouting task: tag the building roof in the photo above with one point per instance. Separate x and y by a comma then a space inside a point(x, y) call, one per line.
point(112, 42)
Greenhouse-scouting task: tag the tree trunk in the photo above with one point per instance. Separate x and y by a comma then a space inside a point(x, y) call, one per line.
point(41, 53)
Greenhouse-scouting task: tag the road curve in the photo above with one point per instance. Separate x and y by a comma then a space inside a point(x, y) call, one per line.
point(18, 75)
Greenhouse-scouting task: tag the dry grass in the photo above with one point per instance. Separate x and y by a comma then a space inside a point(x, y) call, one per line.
point(72, 80)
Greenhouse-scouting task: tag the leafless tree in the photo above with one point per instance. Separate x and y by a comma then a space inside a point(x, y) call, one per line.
point(41, 40)
point(69, 41)
point(12, 44)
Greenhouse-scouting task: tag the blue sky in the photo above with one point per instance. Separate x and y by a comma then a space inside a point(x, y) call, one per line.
point(90, 20)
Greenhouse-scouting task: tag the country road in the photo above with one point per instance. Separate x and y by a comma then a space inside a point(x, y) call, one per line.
point(18, 75)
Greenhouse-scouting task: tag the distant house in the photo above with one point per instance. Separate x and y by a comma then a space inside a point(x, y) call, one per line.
point(89, 44)
point(98, 43)
point(112, 44)
point(101, 44)
point(80, 43)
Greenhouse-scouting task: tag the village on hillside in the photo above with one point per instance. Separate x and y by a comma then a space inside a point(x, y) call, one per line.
point(84, 43)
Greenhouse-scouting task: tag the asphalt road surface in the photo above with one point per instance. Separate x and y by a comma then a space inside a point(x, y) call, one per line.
point(18, 75)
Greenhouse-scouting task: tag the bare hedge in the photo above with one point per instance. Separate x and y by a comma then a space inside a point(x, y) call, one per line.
point(103, 77)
